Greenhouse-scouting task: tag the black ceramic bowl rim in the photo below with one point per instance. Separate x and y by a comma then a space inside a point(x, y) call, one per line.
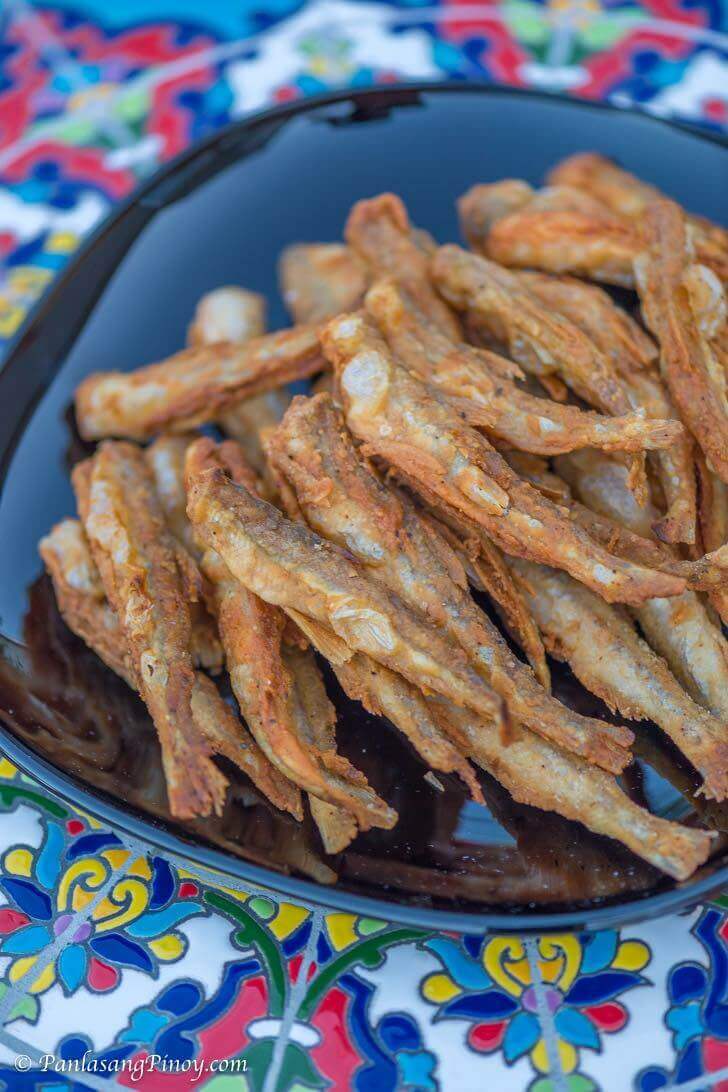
point(224, 867)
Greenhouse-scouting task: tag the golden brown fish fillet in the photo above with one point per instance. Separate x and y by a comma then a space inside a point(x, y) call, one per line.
point(267, 691)
point(343, 501)
point(603, 650)
point(412, 428)
point(695, 377)
point(137, 561)
point(494, 403)
point(627, 196)
point(319, 280)
point(290, 566)
point(679, 629)
point(379, 231)
point(536, 773)
point(84, 607)
point(193, 386)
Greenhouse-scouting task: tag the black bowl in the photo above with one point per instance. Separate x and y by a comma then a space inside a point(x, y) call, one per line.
point(221, 214)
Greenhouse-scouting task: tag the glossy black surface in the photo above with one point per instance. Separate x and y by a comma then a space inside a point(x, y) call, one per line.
point(221, 215)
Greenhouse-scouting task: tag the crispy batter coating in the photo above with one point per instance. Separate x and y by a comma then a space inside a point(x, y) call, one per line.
point(290, 566)
point(227, 314)
point(603, 650)
point(81, 599)
point(537, 773)
point(413, 429)
point(137, 561)
point(244, 422)
point(627, 196)
point(495, 403)
point(679, 629)
point(319, 280)
point(379, 231)
point(193, 386)
point(342, 500)
point(266, 690)
point(694, 375)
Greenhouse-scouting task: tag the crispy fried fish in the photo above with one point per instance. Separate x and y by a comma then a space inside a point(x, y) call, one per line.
point(268, 692)
point(487, 571)
point(193, 386)
point(137, 561)
point(537, 773)
point(495, 403)
point(603, 650)
point(82, 602)
point(627, 196)
point(695, 377)
point(679, 629)
point(379, 231)
point(632, 352)
point(413, 429)
point(342, 500)
point(558, 230)
point(319, 280)
point(290, 566)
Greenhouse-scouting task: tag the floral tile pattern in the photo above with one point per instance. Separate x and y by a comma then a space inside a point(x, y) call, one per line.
point(119, 968)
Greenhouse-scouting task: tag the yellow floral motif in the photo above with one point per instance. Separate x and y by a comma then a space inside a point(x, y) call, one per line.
point(7, 770)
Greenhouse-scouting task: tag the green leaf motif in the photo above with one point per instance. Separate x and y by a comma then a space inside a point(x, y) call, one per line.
point(370, 954)
point(251, 932)
point(10, 793)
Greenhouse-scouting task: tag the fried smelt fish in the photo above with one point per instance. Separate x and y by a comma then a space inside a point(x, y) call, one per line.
point(166, 457)
point(237, 315)
point(342, 500)
point(193, 386)
point(487, 571)
point(289, 566)
point(558, 230)
point(627, 196)
point(252, 634)
point(496, 403)
point(414, 430)
point(319, 280)
point(337, 827)
point(695, 377)
point(82, 602)
point(603, 650)
point(540, 340)
point(632, 352)
point(137, 561)
point(537, 773)
point(679, 629)
point(380, 232)
point(227, 314)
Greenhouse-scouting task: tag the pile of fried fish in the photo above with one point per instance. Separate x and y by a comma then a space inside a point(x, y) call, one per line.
point(485, 418)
